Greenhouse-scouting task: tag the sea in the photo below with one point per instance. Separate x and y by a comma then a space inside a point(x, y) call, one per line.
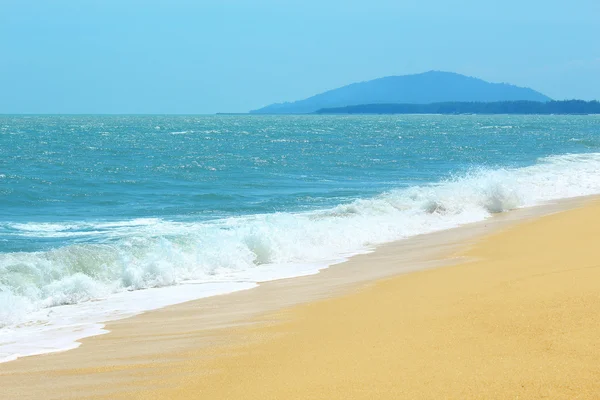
point(105, 217)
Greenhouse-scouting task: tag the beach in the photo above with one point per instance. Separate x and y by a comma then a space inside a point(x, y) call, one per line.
point(207, 200)
point(505, 308)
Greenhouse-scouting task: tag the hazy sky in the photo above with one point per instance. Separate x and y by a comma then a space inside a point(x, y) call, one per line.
point(204, 56)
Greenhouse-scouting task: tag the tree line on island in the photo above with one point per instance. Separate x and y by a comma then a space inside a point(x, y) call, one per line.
point(498, 107)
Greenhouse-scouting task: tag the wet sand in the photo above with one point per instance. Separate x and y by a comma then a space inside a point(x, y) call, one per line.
point(513, 313)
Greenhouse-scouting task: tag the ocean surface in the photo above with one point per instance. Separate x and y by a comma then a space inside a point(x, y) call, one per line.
point(102, 217)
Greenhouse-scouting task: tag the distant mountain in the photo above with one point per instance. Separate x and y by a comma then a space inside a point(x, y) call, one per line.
point(425, 88)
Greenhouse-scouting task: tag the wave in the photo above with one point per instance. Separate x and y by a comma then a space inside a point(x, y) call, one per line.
point(152, 253)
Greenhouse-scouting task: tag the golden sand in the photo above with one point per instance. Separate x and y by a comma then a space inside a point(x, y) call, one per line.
point(521, 320)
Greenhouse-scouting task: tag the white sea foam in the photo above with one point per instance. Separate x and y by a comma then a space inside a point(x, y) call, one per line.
point(45, 296)
point(59, 328)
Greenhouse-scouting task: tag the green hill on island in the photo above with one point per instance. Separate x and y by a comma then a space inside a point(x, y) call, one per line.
point(426, 88)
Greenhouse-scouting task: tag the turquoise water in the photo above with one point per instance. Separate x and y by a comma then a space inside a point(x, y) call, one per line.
point(58, 169)
point(93, 206)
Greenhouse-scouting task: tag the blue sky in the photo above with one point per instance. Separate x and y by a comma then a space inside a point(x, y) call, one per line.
point(205, 56)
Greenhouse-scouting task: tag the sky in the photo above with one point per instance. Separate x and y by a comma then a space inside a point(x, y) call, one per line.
point(207, 56)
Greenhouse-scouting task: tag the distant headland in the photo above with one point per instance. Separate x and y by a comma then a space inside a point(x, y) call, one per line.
point(498, 107)
point(433, 87)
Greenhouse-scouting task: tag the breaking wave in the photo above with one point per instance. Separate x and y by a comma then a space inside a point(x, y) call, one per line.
point(150, 253)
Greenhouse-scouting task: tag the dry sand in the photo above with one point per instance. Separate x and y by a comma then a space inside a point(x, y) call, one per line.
point(517, 316)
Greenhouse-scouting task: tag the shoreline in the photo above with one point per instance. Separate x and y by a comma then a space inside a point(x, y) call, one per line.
point(239, 252)
point(197, 324)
